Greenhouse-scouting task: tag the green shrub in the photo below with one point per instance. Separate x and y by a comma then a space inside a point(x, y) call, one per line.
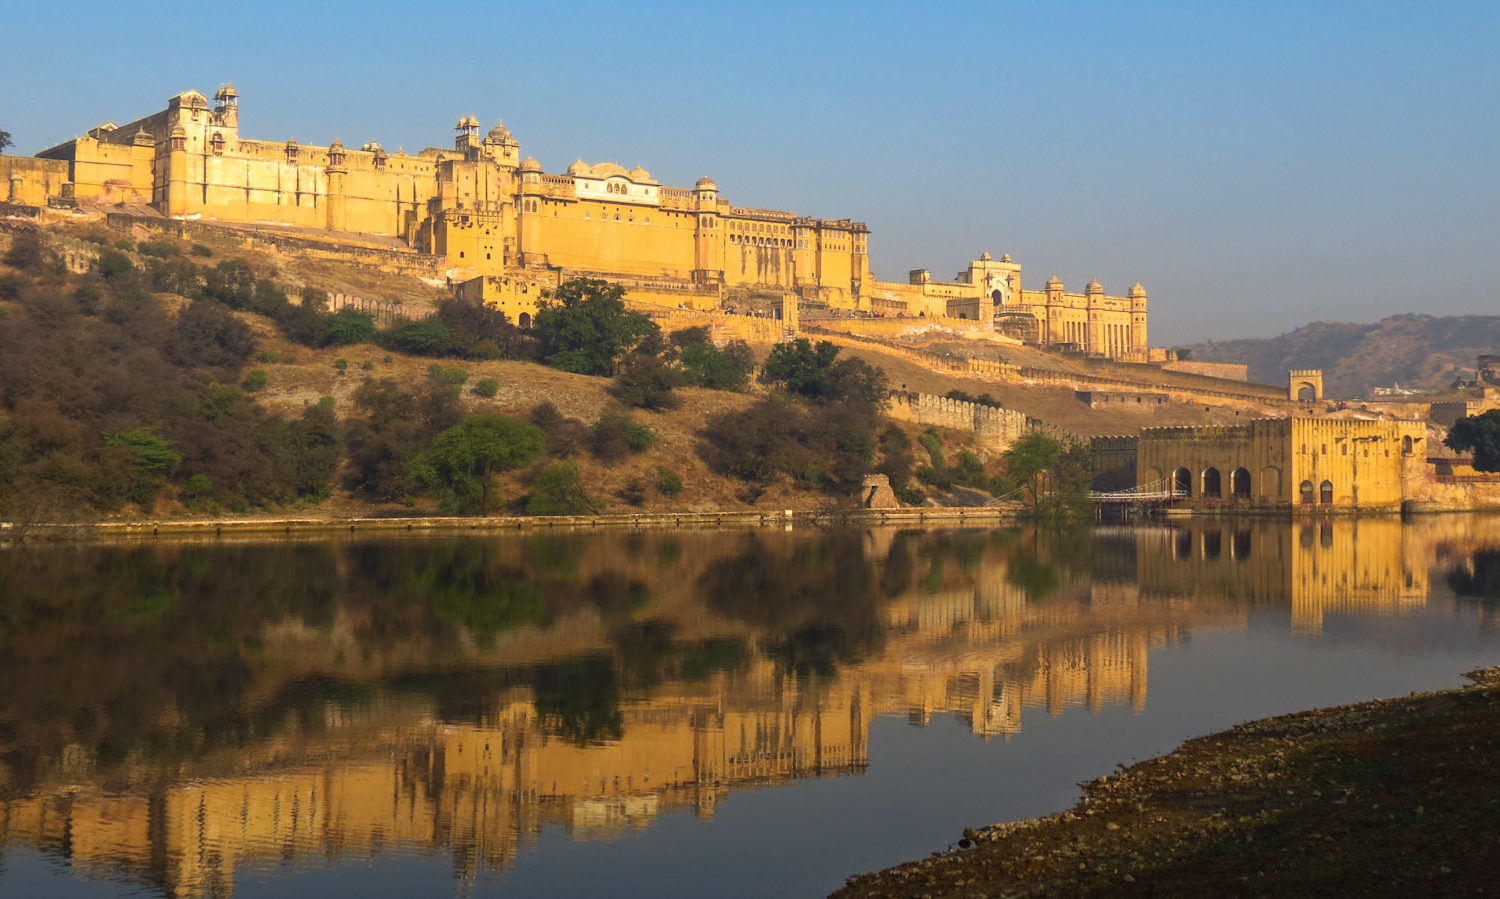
point(558, 491)
point(124, 245)
point(112, 264)
point(614, 436)
point(341, 364)
point(969, 471)
point(934, 447)
point(255, 380)
point(667, 481)
point(367, 365)
point(268, 356)
point(161, 249)
point(912, 496)
point(199, 249)
point(486, 387)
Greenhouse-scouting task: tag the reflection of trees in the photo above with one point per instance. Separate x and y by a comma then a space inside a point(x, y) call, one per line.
point(95, 642)
point(1483, 582)
point(816, 598)
point(579, 700)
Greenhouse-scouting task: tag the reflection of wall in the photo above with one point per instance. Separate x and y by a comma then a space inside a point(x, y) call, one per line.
point(1370, 566)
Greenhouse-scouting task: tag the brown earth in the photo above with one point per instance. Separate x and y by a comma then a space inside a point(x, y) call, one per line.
point(1396, 797)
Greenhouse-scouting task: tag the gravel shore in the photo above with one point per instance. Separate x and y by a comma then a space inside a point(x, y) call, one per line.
point(1391, 797)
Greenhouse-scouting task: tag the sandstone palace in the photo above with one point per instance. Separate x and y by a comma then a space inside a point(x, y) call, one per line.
point(506, 230)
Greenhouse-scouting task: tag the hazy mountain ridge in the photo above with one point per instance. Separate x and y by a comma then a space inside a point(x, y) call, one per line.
point(1424, 352)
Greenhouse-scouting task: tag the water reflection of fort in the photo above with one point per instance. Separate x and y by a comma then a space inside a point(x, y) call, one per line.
point(980, 635)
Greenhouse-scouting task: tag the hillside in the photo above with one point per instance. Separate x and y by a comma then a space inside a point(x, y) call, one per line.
point(1416, 351)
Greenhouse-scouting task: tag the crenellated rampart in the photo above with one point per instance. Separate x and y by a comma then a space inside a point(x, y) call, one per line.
point(995, 428)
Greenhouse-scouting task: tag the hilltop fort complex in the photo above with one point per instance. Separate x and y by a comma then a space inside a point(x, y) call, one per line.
point(488, 225)
point(494, 217)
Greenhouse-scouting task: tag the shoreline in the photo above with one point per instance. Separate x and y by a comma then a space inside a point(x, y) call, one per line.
point(157, 528)
point(1389, 797)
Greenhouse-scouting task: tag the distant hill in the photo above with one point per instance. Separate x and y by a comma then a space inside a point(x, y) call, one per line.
point(1416, 351)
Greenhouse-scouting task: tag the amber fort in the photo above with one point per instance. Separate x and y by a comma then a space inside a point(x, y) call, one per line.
point(496, 220)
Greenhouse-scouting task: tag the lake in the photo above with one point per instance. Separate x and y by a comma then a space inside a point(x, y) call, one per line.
point(665, 713)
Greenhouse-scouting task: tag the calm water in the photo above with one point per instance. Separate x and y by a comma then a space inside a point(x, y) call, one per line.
point(702, 713)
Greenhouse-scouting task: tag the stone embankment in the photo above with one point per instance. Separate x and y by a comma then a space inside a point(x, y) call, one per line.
point(909, 516)
point(1396, 797)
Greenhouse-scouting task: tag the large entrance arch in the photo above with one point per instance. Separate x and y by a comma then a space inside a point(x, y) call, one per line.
point(1305, 493)
point(1212, 485)
point(1182, 482)
point(1239, 483)
point(1325, 493)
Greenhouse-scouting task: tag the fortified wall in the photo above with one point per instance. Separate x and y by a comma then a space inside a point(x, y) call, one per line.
point(996, 428)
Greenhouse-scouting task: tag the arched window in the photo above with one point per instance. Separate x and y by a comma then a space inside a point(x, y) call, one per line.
point(1325, 493)
point(1182, 482)
point(524, 319)
point(1211, 485)
point(1406, 445)
point(1239, 483)
point(1307, 493)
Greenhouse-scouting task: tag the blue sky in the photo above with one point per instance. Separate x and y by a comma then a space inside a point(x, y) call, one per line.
point(1255, 165)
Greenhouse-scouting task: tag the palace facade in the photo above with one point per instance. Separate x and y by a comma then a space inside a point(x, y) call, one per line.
point(498, 220)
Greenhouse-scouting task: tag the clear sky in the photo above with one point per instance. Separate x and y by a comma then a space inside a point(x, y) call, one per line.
point(1255, 165)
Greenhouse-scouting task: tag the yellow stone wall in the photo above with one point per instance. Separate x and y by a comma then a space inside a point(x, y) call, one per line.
point(1373, 465)
point(30, 181)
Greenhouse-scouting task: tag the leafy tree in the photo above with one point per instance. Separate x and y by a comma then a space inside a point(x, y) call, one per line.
point(113, 264)
point(585, 328)
point(5, 140)
point(349, 326)
point(1056, 478)
point(315, 445)
point(422, 337)
point(557, 490)
point(399, 424)
point(482, 332)
point(1480, 433)
point(895, 456)
point(464, 459)
point(615, 435)
point(1030, 459)
point(208, 335)
point(150, 459)
point(645, 380)
point(817, 374)
point(705, 365)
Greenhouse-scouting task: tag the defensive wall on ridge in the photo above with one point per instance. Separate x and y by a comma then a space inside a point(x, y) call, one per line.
point(1185, 388)
point(995, 428)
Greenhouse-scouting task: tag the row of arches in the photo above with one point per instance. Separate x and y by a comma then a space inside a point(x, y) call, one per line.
point(1210, 483)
